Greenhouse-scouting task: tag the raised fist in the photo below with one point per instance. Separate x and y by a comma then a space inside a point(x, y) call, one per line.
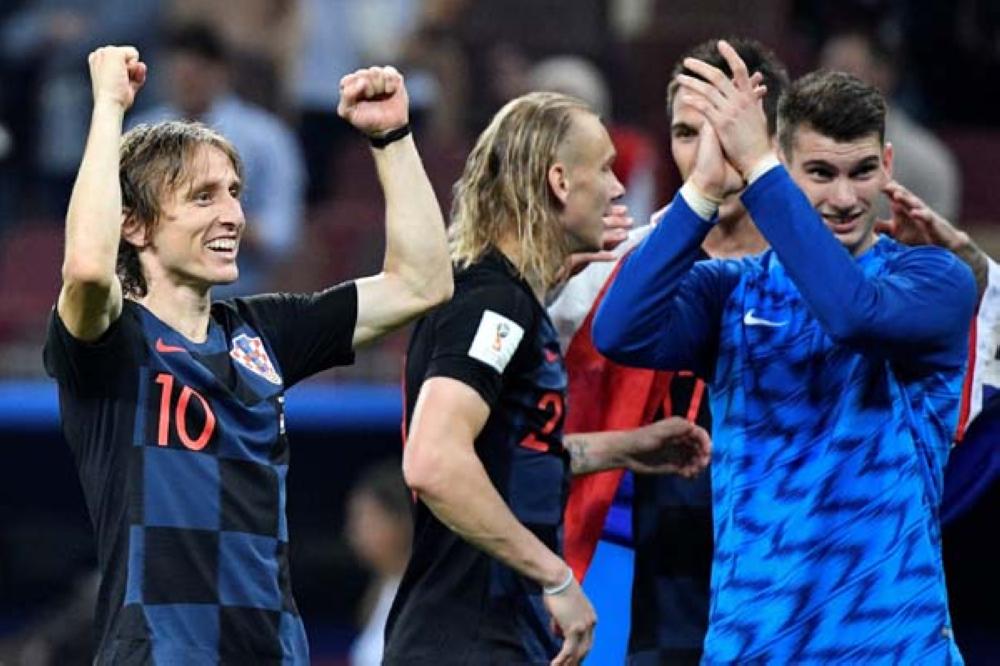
point(374, 100)
point(116, 74)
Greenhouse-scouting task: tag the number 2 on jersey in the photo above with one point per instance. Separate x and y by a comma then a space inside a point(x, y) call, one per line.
point(551, 402)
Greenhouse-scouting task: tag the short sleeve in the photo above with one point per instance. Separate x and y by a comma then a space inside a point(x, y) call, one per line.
point(479, 334)
point(309, 333)
point(86, 367)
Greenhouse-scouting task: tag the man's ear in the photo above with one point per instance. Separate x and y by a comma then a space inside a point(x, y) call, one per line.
point(134, 232)
point(557, 182)
point(778, 150)
point(887, 159)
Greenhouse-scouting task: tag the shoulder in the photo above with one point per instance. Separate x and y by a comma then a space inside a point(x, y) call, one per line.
point(933, 269)
point(489, 287)
point(932, 257)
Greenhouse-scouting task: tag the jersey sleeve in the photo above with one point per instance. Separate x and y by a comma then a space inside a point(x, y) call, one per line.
point(309, 333)
point(90, 367)
point(478, 334)
point(663, 309)
point(918, 313)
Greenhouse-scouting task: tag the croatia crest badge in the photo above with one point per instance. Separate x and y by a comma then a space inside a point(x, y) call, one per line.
point(250, 353)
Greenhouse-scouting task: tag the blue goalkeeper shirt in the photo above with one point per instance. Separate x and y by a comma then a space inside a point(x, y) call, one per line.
point(835, 388)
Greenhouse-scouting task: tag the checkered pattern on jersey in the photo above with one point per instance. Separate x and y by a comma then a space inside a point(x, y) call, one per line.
point(672, 536)
point(208, 541)
point(826, 479)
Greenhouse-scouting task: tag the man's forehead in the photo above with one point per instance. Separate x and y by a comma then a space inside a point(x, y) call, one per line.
point(588, 134)
point(684, 111)
point(812, 144)
point(208, 162)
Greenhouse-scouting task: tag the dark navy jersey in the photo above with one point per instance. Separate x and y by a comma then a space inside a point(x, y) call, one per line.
point(672, 536)
point(182, 454)
point(456, 604)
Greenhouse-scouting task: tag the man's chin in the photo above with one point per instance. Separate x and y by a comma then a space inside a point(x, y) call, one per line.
point(227, 278)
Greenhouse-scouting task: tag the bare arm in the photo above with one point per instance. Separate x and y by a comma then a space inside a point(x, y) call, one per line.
point(440, 464)
point(668, 446)
point(91, 296)
point(416, 271)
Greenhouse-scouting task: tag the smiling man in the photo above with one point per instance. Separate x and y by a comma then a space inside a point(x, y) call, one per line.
point(835, 362)
point(172, 405)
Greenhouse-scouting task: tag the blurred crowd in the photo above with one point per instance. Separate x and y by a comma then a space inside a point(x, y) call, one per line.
point(265, 72)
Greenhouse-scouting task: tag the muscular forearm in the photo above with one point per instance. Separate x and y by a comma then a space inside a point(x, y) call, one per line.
point(596, 451)
point(416, 246)
point(462, 497)
point(93, 221)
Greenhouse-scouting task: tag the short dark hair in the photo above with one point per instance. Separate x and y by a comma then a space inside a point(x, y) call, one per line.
point(197, 38)
point(153, 159)
point(835, 104)
point(757, 57)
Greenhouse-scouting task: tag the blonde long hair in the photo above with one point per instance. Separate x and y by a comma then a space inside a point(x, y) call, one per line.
point(504, 188)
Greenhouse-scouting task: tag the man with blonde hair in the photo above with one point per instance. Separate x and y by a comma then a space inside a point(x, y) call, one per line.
point(485, 385)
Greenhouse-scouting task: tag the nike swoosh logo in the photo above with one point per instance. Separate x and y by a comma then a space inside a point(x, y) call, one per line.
point(164, 348)
point(751, 320)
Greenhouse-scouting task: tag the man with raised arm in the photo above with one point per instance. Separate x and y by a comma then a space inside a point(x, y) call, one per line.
point(835, 362)
point(172, 405)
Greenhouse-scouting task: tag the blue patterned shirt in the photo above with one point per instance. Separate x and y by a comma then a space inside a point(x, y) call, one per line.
point(835, 389)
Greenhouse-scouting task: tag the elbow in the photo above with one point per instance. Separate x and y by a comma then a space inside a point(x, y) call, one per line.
point(431, 293)
point(86, 274)
point(442, 291)
point(847, 330)
point(608, 338)
point(423, 471)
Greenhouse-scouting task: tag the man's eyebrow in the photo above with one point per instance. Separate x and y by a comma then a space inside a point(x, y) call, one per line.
point(871, 160)
point(818, 162)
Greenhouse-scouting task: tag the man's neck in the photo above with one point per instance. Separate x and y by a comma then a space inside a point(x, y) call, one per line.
point(182, 307)
point(511, 249)
point(734, 236)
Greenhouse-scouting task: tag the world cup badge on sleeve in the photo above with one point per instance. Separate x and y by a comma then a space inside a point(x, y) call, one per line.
point(250, 353)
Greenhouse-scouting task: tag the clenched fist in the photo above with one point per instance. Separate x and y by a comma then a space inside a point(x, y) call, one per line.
point(116, 74)
point(374, 100)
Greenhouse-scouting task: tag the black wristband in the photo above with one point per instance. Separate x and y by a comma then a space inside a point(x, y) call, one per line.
point(384, 140)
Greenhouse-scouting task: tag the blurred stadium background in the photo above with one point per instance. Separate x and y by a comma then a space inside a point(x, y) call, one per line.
point(462, 58)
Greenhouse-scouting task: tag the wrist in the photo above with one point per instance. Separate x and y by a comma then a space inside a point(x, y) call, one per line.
point(383, 139)
point(564, 583)
point(553, 573)
point(109, 105)
point(959, 242)
point(704, 205)
point(758, 167)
